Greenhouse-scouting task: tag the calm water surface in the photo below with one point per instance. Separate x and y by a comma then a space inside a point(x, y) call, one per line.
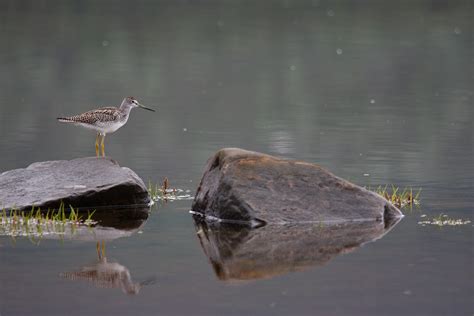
point(377, 92)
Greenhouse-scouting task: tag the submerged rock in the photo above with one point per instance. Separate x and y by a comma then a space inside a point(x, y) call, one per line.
point(244, 186)
point(237, 252)
point(84, 182)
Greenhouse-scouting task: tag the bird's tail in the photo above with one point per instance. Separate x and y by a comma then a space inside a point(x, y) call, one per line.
point(66, 119)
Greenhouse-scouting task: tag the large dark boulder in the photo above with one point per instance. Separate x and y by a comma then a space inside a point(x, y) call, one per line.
point(244, 186)
point(84, 182)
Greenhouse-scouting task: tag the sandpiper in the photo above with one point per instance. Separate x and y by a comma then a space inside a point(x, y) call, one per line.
point(105, 120)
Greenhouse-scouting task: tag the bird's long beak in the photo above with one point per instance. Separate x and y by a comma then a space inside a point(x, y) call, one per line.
point(144, 107)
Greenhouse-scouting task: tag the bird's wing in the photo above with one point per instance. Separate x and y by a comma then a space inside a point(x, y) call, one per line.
point(108, 108)
point(107, 114)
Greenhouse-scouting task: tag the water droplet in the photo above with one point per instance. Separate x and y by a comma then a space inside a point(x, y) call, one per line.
point(185, 129)
point(457, 30)
point(220, 23)
point(366, 174)
point(105, 43)
point(330, 13)
point(339, 51)
point(292, 67)
point(372, 101)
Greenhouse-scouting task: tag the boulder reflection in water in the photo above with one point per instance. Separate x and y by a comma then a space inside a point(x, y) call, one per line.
point(241, 253)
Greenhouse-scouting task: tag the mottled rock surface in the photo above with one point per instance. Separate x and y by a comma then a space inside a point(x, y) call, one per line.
point(82, 182)
point(240, 185)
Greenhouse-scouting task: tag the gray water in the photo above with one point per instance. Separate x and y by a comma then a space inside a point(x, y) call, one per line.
point(377, 92)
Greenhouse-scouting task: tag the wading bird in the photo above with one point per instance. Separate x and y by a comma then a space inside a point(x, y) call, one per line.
point(105, 120)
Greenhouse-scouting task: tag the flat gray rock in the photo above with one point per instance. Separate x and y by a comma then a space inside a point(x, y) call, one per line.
point(83, 182)
point(244, 186)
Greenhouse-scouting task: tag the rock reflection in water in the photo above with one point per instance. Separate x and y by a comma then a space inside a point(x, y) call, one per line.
point(106, 224)
point(241, 253)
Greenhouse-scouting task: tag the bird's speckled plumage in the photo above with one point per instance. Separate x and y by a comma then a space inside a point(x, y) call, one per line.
point(107, 114)
point(103, 120)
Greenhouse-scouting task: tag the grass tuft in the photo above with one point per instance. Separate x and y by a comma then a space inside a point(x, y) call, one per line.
point(164, 192)
point(397, 197)
point(36, 223)
point(443, 220)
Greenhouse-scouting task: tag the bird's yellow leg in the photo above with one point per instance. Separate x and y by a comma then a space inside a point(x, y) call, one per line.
point(103, 249)
point(102, 145)
point(97, 247)
point(97, 145)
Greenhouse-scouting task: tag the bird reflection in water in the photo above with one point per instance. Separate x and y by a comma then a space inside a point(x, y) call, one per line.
point(104, 274)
